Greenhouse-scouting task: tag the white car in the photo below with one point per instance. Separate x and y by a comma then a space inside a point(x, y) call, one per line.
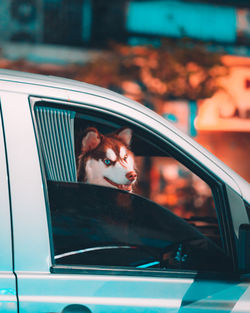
point(180, 242)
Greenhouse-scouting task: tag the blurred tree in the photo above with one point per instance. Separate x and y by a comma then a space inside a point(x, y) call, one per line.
point(176, 70)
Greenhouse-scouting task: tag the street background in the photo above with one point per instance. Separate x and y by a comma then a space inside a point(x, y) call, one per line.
point(187, 60)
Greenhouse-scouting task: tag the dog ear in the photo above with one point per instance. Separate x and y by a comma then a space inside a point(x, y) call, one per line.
point(125, 135)
point(90, 140)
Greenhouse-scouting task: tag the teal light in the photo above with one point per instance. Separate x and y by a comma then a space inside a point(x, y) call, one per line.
point(179, 19)
point(192, 116)
point(171, 117)
point(86, 20)
point(148, 264)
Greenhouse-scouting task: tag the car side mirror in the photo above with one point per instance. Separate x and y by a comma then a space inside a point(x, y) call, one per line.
point(244, 248)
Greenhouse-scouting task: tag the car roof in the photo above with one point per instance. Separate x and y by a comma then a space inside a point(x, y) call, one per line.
point(55, 81)
point(69, 84)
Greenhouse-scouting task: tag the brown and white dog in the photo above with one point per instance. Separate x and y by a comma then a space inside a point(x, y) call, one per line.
point(106, 159)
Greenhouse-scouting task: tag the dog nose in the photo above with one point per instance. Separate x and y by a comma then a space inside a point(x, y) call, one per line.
point(131, 176)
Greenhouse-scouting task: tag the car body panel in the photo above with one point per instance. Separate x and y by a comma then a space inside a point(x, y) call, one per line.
point(5, 220)
point(225, 297)
point(244, 304)
point(31, 243)
point(8, 296)
point(100, 293)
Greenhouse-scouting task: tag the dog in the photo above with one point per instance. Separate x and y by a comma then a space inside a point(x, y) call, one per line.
point(107, 160)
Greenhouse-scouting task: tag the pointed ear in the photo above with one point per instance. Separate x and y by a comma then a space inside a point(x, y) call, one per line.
point(90, 140)
point(125, 135)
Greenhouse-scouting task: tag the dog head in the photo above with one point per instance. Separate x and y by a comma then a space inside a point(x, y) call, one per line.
point(106, 159)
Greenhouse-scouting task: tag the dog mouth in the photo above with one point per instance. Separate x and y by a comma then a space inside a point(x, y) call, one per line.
point(126, 187)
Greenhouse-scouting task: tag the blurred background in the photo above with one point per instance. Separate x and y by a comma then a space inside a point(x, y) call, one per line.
point(187, 60)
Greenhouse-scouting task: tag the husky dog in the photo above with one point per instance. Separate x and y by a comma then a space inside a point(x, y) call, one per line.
point(106, 159)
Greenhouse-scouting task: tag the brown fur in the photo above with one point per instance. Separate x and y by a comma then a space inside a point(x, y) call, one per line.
point(106, 141)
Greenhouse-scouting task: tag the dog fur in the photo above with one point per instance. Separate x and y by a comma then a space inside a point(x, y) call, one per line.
point(107, 160)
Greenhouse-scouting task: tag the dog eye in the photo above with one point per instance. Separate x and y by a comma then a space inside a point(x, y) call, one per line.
point(107, 162)
point(125, 157)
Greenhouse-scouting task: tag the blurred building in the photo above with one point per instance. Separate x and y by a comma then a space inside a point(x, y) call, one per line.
point(208, 21)
point(85, 23)
point(223, 121)
point(21, 20)
point(93, 23)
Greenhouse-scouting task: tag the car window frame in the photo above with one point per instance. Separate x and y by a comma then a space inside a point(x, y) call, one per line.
point(6, 222)
point(217, 186)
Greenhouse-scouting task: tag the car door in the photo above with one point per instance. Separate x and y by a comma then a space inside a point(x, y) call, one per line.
point(126, 263)
point(8, 294)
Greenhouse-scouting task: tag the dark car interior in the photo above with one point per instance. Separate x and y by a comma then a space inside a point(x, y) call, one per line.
point(96, 225)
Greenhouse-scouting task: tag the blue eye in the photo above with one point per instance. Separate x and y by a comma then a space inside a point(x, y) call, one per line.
point(107, 162)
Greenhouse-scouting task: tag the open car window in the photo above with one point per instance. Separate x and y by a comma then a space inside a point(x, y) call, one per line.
point(168, 220)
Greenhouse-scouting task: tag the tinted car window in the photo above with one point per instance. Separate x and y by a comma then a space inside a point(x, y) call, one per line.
point(96, 225)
